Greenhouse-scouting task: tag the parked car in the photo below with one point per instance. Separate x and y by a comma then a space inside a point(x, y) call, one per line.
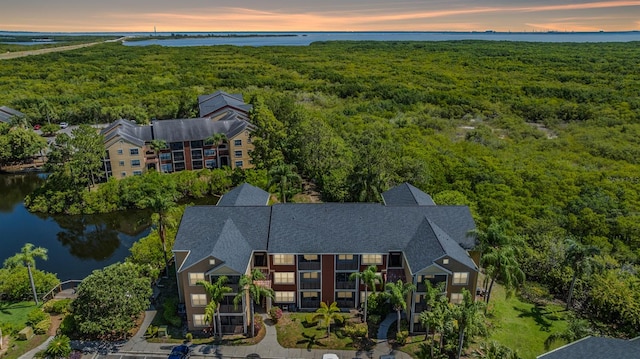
point(180, 352)
point(64, 125)
point(36, 127)
point(330, 356)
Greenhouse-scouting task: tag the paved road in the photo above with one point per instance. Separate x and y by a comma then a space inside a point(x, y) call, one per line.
point(13, 55)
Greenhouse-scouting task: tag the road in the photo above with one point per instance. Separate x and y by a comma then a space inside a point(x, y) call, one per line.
point(14, 55)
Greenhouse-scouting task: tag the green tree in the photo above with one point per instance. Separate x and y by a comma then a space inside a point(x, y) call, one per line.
point(20, 144)
point(88, 155)
point(110, 300)
point(369, 277)
point(285, 177)
point(469, 318)
point(269, 137)
point(252, 291)
point(328, 314)
point(398, 293)
point(579, 257)
point(216, 292)
point(156, 146)
point(162, 207)
point(576, 329)
point(27, 257)
point(494, 350)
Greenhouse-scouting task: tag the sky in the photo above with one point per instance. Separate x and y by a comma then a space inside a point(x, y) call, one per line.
point(318, 15)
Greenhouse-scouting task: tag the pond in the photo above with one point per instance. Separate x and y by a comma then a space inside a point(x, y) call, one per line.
point(77, 245)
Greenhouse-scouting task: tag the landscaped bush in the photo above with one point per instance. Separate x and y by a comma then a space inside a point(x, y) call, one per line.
point(151, 331)
point(374, 319)
point(401, 337)
point(535, 293)
point(36, 316)
point(68, 325)
point(356, 331)
point(43, 326)
point(59, 347)
point(57, 306)
point(170, 313)
point(377, 304)
point(275, 313)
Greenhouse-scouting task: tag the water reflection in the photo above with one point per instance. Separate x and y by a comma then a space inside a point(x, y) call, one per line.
point(14, 188)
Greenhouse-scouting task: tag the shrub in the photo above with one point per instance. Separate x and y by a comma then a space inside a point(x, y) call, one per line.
point(275, 313)
point(68, 325)
point(36, 316)
point(151, 331)
point(374, 319)
point(377, 304)
point(57, 306)
point(188, 337)
point(356, 331)
point(43, 326)
point(170, 313)
point(59, 347)
point(401, 337)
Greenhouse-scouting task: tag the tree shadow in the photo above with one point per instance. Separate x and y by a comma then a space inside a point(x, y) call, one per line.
point(310, 340)
point(538, 314)
point(6, 307)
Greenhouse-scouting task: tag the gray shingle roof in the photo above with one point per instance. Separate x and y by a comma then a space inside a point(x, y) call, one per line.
point(406, 195)
point(6, 113)
point(245, 195)
point(597, 348)
point(209, 104)
point(195, 129)
point(227, 233)
point(128, 130)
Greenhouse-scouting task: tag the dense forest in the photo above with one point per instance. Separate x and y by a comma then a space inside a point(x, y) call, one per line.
point(540, 140)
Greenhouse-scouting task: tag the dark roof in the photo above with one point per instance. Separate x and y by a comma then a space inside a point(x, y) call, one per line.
point(128, 130)
point(597, 348)
point(209, 104)
point(370, 228)
point(6, 113)
point(227, 233)
point(245, 195)
point(406, 195)
point(195, 129)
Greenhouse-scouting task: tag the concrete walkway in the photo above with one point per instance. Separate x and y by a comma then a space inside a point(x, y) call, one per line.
point(384, 326)
point(31, 353)
point(268, 348)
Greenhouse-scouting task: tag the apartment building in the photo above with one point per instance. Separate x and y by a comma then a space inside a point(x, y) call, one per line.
point(309, 251)
point(130, 153)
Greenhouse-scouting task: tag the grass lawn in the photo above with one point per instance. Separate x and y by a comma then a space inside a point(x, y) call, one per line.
point(293, 334)
point(16, 313)
point(523, 326)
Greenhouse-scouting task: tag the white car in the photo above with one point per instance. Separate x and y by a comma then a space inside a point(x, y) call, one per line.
point(330, 356)
point(64, 125)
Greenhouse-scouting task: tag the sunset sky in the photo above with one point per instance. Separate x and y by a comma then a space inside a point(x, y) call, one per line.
point(318, 15)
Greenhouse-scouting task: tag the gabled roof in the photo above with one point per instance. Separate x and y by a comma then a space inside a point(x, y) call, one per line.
point(245, 195)
point(406, 195)
point(195, 129)
point(127, 130)
point(227, 233)
point(209, 104)
point(7, 113)
point(596, 348)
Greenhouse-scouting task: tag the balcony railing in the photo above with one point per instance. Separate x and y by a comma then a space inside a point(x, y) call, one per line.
point(347, 265)
point(346, 303)
point(346, 285)
point(310, 303)
point(229, 308)
point(310, 284)
point(309, 265)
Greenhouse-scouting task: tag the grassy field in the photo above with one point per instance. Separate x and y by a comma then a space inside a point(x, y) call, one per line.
point(15, 313)
point(523, 326)
point(292, 333)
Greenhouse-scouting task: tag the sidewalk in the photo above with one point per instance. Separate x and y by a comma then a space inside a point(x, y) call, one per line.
point(268, 348)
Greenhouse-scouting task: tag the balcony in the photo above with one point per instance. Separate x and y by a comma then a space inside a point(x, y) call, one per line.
point(310, 284)
point(230, 308)
point(393, 275)
point(310, 303)
point(346, 303)
point(346, 285)
point(309, 265)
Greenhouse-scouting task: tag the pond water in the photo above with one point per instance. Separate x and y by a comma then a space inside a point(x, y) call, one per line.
point(77, 245)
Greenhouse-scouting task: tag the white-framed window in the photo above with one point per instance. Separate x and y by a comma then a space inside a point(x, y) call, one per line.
point(198, 300)
point(124, 174)
point(368, 259)
point(133, 151)
point(284, 278)
point(283, 259)
point(237, 153)
point(120, 151)
point(239, 164)
point(198, 320)
point(460, 278)
point(195, 277)
point(137, 173)
point(310, 275)
point(343, 295)
point(284, 297)
point(121, 163)
point(345, 257)
point(135, 163)
point(456, 298)
point(237, 142)
point(209, 152)
point(445, 261)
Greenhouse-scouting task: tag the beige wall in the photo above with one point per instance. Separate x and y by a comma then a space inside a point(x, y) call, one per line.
point(125, 157)
point(245, 147)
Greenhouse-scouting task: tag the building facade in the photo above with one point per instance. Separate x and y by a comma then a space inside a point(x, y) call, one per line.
point(309, 251)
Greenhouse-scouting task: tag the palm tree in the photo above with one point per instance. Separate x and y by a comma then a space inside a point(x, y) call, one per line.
point(284, 176)
point(576, 329)
point(217, 139)
point(327, 314)
point(255, 292)
point(210, 316)
point(469, 318)
point(579, 258)
point(433, 296)
point(162, 206)
point(398, 293)
point(157, 146)
point(369, 278)
point(27, 257)
point(216, 292)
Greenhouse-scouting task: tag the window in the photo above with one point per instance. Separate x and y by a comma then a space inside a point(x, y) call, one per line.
point(456, 298)
point(133, 151)
point(198, 300)
point(371, 259)
point(195, 277)
point(283, 259)
point(345, 257)
point(445, 261)
point(196, 154)
point(210, 163)
point(237, 142)
point(137, 173)
point(120, 151)
point(121, 163)
point(165, 156)
point(310, 257)
point(237, 153)
point(196, 144)
point(209, 153)
point(166, 167)
point(460, 278)
point(284, 297)
point(178, 156)
point(310, 275)
point(284, 278)
point(180, 166)
point(135, 163)
point(239, 164)
point(176, 146)
point(123, 174)
point(198, 320)
point(197, 165)
point(344, 295)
